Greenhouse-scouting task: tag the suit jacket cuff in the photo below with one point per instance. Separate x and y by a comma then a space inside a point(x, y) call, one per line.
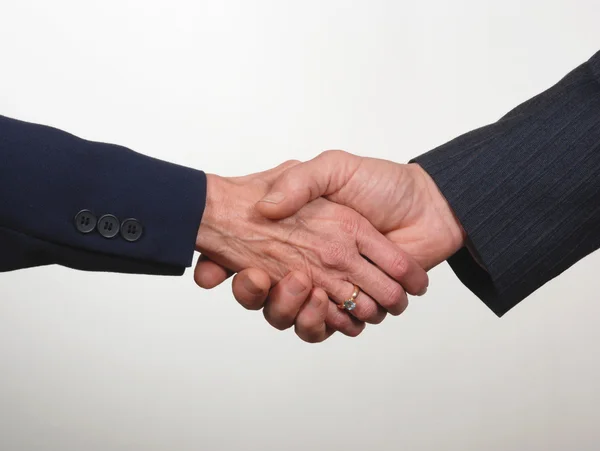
point(53, 175)
point(526, 190)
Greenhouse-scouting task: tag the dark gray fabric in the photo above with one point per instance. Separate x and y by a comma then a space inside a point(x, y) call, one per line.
point(526, 190)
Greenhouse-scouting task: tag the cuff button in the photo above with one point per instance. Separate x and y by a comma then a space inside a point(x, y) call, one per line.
point(85, 221)
point(108, 226)
point(131, 230)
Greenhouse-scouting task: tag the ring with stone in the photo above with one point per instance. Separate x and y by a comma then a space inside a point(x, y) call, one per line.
point(350, 303)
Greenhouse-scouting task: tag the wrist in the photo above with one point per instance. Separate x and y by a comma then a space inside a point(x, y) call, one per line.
point(453, 229)
point(216, 189)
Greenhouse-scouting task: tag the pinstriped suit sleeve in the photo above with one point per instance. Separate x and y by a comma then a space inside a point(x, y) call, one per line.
point(526, 190)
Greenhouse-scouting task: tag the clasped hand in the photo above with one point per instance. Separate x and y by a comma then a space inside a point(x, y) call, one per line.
point(302, 235)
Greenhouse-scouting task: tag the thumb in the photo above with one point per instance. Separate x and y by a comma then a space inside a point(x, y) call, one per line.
point(304, 182)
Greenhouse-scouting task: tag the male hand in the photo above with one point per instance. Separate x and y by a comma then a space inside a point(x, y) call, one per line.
point(400, 200)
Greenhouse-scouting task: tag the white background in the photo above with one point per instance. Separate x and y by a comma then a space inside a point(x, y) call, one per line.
point(104, 362)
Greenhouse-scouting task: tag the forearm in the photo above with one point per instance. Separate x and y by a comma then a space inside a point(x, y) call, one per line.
point(47, 176)
point(526, 190)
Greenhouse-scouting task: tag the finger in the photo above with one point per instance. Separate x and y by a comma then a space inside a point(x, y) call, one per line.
point(365, 308)
point(286, 299)
point(209, 274)
point(392, 260)
point(338, 320)
point(385, 291)
point(251, 288)
point(310, 323)
point(304, 182)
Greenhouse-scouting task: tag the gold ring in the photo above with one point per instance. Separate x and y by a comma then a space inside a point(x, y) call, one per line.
point(350, 303)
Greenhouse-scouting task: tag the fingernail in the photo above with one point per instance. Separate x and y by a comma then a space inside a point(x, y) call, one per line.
point(295, 287)
point(273, 198)
point(251, 287)
point(422, 293)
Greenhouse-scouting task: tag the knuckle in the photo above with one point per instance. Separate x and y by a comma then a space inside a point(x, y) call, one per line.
point(334, 153)
point(400, 265)
point(334, 254)
point(392, 295)
point(368, 312)
point(349, 224)
point(289, 163)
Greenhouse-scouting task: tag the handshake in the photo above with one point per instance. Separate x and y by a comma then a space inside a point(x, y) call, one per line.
point(327, 245)
point(333, 243)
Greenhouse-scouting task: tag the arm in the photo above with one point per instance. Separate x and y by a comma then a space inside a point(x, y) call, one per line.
point(48, 176)
point(526, 190)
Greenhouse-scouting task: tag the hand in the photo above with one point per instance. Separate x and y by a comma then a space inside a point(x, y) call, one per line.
point(331, 244)
point(401, 201)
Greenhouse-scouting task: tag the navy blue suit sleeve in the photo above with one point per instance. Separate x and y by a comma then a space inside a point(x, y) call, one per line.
point(47, 176)
point(526, 190)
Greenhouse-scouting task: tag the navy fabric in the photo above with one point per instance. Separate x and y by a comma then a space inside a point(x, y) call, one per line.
point(47, 176)
point(526, 190)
